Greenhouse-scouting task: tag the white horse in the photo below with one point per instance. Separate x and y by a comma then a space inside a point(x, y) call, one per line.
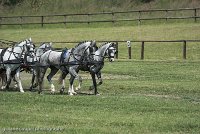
point(31, 61)
point(94, 66)
point(12, 58)
point(67, 61)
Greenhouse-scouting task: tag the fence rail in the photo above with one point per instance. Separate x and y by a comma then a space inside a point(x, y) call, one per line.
point(136, 15)
point(142, 42)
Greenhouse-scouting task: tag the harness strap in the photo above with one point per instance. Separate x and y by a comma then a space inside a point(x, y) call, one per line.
point(2, 54)
point(48, 57)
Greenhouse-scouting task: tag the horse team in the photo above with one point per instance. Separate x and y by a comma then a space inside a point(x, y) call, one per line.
point(85, 56)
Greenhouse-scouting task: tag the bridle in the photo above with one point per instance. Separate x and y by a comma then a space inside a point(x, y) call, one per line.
point(29, 53)
point(108, 51)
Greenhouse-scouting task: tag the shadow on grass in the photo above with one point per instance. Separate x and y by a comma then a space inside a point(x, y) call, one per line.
point(17, 90)
point(48, 92)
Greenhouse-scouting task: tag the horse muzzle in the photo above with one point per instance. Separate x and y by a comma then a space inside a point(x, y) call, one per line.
point(111, 59)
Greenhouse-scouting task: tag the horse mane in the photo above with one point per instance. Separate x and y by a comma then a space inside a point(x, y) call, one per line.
point(16, 44)
point(42, 44)
point(104, 44)
point(81, 43)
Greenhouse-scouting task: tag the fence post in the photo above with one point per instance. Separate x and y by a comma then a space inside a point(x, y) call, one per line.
point(21, 21)
point(166, 15)
point(195, 15)
point(117, 50)
point(129, 49)
point(184, 50)
point(139, 17)
point(113, 17)
point(142, 50)
point(42, 21)
point(0, 21)
point(65, 20)
point(88, 18)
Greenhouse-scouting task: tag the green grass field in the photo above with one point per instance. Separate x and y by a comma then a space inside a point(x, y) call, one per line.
point(157, 95)
point(161, 51)
point(136, 97)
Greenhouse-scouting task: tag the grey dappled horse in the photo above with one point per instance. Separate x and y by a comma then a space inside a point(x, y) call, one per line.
point(107, 50)
point(31, 61)
point(12, 58)
point(67, 61)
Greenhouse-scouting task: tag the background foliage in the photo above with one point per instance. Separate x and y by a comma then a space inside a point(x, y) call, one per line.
point(38, 7)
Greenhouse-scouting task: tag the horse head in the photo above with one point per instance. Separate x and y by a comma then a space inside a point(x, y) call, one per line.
point(111, 51)
point(29, 47)
point(29, 52)
point(84, 49)
point(46, 46)
point(107, 50)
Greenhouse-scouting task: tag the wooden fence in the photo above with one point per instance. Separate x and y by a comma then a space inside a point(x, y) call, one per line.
point(118, 42)
point(142, 51)
point(134, 15)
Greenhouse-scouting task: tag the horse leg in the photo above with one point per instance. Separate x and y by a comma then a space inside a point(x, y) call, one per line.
point(4, 79)
point(8, 80)
point(16, 84)
point(63, 76)
point(71, 87)
point(99, 79)
point(73, 76)
point(40, 76)
point(18, 79)
point(34, 75)
point(32, 81)
point(94, 83)
point(79, 85)
point(54, 70)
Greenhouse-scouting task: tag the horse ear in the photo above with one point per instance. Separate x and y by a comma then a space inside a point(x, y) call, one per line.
point(113, 44)
point(30, 39)
point(93, 43)
point(50, 43)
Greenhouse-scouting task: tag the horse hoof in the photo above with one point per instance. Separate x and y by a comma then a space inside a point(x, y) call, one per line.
point(62, 90)
point(35, 85)
point(91, 88)
point(97, 94)
point(52, 92)
point(77, 89)
point(74, 93)
point(100, 83)
point(21, 91)
point(69, 93)
point(31, 89)
point(15, 86)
